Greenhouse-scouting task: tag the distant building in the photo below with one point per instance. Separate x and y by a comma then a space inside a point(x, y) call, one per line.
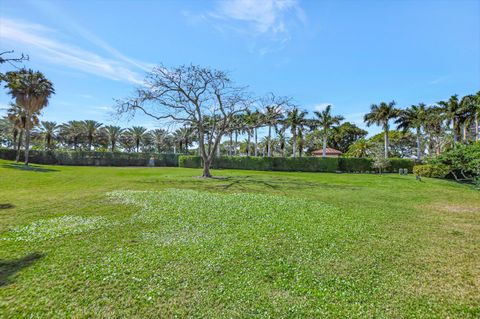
point(330, 152)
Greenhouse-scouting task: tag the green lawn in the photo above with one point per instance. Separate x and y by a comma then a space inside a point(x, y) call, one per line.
point(159, 242)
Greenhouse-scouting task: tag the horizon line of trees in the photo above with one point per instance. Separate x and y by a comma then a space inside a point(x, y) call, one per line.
point(428, 129)
point(213, 113)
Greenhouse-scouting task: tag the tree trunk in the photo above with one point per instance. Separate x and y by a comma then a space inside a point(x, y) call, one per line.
point(206, 170)
point(27, 139)
point(256, 143)
point(476, 126)
point(324, 153)
point(90, 142)
point(15, 135)
point(419, 147)
point(113, 145)
point(236, 142)
point(269, 146)
point(465, 132)
point(454, 131)
point(294, 143)
point(248, 142)
point(230, 149)
point(19, 146)
point(386, 143)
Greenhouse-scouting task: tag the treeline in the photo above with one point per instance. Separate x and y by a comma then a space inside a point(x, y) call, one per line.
point(90, 135)
point(420, 130)
point(217, 117)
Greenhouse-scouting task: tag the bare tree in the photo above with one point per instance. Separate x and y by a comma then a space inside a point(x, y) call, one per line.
point(203, 98)
point(4, 58)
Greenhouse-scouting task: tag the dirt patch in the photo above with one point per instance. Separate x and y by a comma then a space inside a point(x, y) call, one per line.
point(454, 208)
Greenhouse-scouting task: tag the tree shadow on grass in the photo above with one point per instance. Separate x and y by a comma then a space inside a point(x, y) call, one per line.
point(6, 206)
point(33, 168)
point(279, 184)
point(8, 268)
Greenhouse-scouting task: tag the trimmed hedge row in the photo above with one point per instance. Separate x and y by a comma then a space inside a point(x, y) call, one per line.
point(301, 164)
point(87, 158)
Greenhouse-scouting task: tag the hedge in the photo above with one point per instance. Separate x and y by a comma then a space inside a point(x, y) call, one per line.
point(190, 161)
point(88, 158)
point(300, 164)
point(353, 164)
point(396, 163)
point(431, 170)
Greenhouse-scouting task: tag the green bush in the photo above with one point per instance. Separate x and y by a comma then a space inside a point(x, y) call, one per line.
point(352, 164)
point(305, 164)
point(190, 161)
point(464, 161)
point(396, 163)
point(88, 158)
point(431, 170)
point(302, 164)
point(244, 162)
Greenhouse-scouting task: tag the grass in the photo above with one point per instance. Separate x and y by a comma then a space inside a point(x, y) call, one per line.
point(157, 242)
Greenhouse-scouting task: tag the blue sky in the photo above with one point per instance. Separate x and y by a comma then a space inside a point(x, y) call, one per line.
point(346, 53)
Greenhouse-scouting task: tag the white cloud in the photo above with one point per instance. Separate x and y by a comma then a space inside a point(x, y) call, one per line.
point(321, 106)
point(68, 23)
point(43, 42)
point(103, 108)
point(267, 21)
point(438, 80)
point(264, 16)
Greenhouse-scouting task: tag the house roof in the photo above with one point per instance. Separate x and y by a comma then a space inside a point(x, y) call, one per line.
point(329, 151)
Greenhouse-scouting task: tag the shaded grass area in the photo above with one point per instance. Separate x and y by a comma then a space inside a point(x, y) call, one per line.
point(158, 242)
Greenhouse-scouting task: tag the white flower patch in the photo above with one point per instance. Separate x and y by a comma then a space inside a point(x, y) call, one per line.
point(46, 229)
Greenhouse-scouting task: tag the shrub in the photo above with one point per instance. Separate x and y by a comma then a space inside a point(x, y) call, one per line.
point(244, 162)
point(305, 164)
point(88, 158)
point(394, 164)
point(301, 164)
point(352, 164)
point(464, 161)
point(190, 161)
point(431, 170)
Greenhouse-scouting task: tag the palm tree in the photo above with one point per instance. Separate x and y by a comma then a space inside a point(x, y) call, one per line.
point(138, 134)
point(31, 91)
point(271, 117)
point(452, 110)
point(359, 148)
point(113, 134)
point(434, 128)
point(71, 132)
point(250, 122)
point(90, 130)
point(257, 119)
point(326, 121)
point(16, 115)
point(468, 114)
point(413, 117)
point(49, 132)
point(159, 137)
point(281, 139)
point(380, 115)
point(295, 120)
